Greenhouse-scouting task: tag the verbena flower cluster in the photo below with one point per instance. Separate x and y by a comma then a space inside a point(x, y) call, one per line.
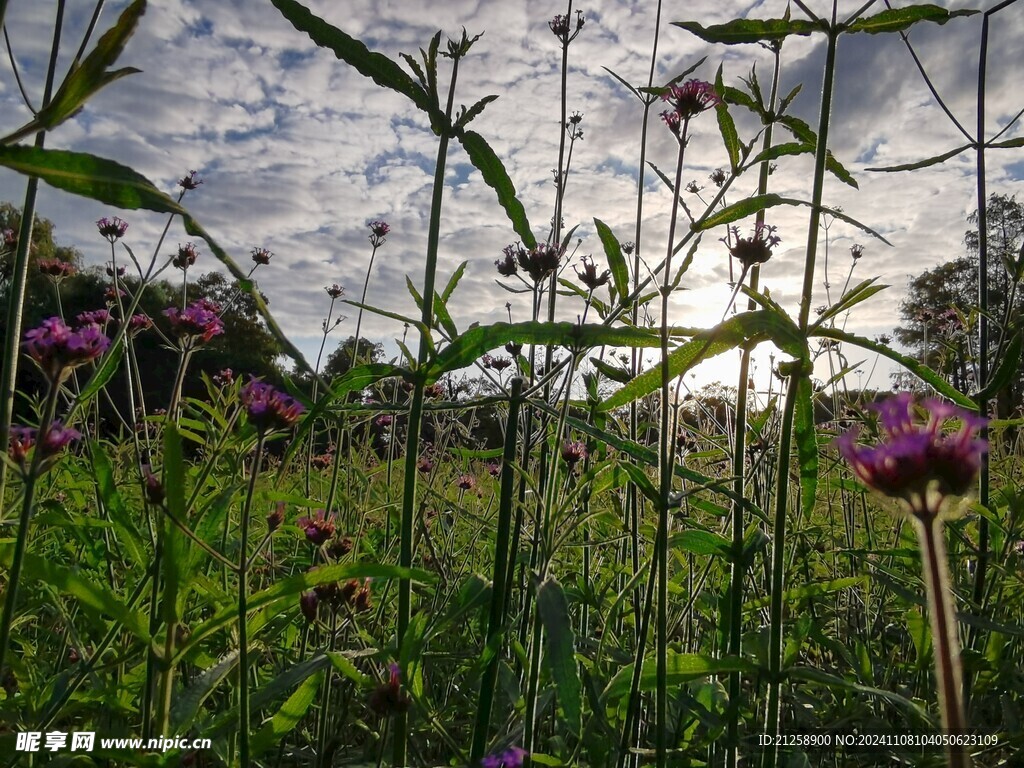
point(23, 439)
point(510, 758)
point(686, 101)
point(57, 349)
point(757, 248)
point(918, 463)
point(269, 408)
point(197, 323)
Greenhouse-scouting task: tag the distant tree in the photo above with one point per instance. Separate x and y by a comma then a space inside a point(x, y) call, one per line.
point(941, 311)
point(340, 360)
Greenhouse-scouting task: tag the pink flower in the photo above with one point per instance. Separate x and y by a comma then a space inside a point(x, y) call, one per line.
point(57, 349)
point(917, 463)
point(757, 248)
point(55, 268)
point(269, 408)
point(318, 527)
point(190, 181)
point(687, 100)
point(186, 256)
point(261, 256)
point(112, 229)
point(197, 323)
point(378, 231)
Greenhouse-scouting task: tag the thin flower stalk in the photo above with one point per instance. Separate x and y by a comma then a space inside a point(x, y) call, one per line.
point(17, 286)
point(778, 570)
point(739, 465)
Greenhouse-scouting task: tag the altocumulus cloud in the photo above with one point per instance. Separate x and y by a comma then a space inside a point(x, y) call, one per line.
point(299, 152)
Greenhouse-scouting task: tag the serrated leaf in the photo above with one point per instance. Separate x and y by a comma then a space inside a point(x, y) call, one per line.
point(806, 443)
point(727, 127)
point(750, 30)
point(453, 281)
point(616, 261)
point(560, 651)
point(923, 163)
point(860, 292)
point(741, 209)
point(496, 177)
point(89, 176)
point(376, 66)
point(85, 79)
point(748, 327)
point(615, 374)
point(899, 19)
point(469, 114)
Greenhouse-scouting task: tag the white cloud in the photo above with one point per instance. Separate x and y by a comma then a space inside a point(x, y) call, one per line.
point(298, 151)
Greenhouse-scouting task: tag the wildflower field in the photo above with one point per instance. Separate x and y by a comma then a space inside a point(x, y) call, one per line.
point(525, 542)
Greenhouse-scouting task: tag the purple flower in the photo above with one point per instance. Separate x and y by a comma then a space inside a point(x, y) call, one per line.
point(573, 452)
point(23, 439)
point(318, 527)
point(261, 256)
point(465, 482)
point(334, 291)
point(93, 317)
point(185, 257)
point(425, 465)
point(540, 261)
point(112, 229)
point(510, 758)
point(589, 276)
point(57, 349)
point(55, 268)
point(190, 181)
point(378, 231)
point(687, 100)
point(388, 698)
point(197, 323)
point(917, 463)
point(561, 26)
point(308, 602)
point(508, 266)
point(757, 248)
point(139, 323)
point(269, 408)
point(153, 487)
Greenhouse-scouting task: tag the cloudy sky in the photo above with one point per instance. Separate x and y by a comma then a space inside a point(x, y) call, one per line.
point(298, 152)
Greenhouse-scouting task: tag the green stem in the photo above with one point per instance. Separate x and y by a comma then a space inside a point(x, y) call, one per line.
point(942, 616)
point(243, 596)
point(738, 470)
point(496, 619)
point(416, 411)
point(24, 522)
point(770, 755)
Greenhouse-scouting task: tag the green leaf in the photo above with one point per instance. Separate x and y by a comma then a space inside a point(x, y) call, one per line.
point(640, 479)
point(923, 163)
point(89, 176)
point(750, 30)
point(806, 443)
point(698, 542)
point(289, 587)
point(860, 292)
point(467, 116)
point(187, 702)
point(376, 66)
point(727, 127)
point(899, 19)
point(444, 319)
point(85, 79)
point(124, 526)
point(496, 177)
point(616, 261)
point(741, 209)
point(453, 281)
point(615, 374)
point(1008, 370)
point(832, 681)
point(1006, 144)
point(927, 375)
point(288, 716)
point(629, 87)
point(69, 581)
point(468, 347)
point(748, 327)
point(560, 651)
point(782, 150)
point(111, 362)
point(682, 668)
point(806, 591)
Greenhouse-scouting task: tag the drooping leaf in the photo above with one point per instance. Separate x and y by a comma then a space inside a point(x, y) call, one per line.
point(376, 66)
point(741, 209)
point(288, 716)
point(187, 703)
point(89, 176)
point(560, 651)
point(745, 328)
point(923, 372)
point(860, 292)
point(727, 127)
point(486, 161)
point(698, 542)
